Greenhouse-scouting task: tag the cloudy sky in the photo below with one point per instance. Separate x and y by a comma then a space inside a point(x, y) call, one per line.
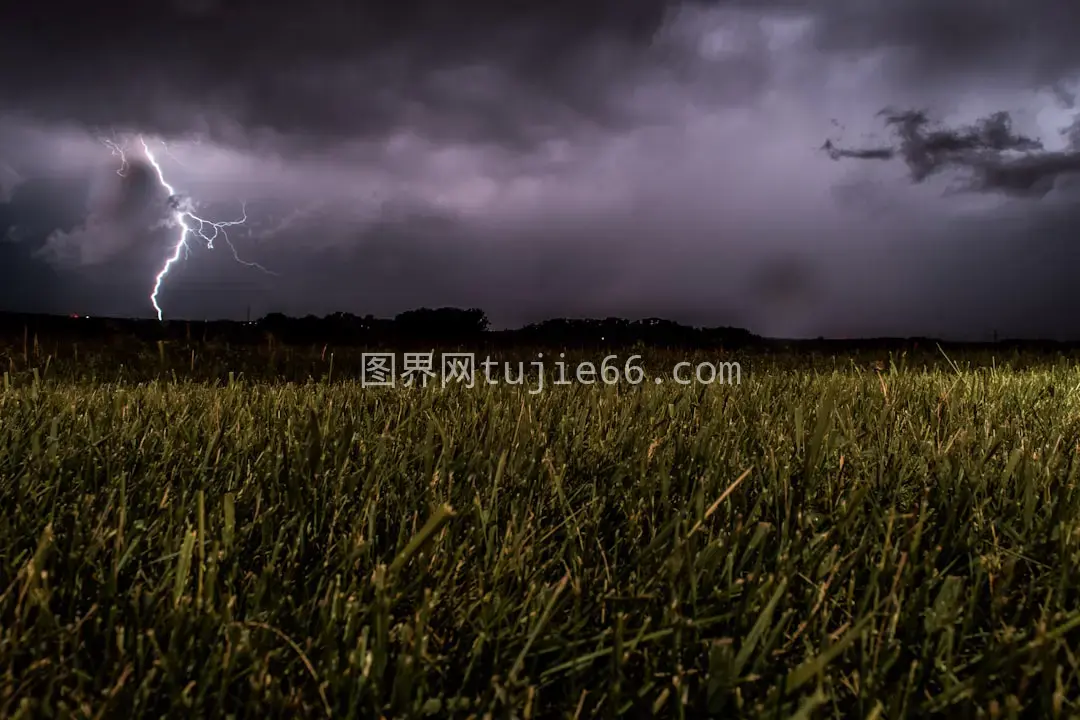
point(558, 158)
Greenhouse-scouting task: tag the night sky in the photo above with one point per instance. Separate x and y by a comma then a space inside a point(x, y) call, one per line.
point(836, 167)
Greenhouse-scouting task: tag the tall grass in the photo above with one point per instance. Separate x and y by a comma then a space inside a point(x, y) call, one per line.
point(810, 543)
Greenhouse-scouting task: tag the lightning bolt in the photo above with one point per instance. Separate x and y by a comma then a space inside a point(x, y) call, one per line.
point(184, 217)
point(118, 151)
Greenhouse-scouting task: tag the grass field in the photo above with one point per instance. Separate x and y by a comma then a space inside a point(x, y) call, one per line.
point(822, 540)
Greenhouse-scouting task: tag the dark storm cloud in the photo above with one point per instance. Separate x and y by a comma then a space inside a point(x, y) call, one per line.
point(996, 157)
point(330, 68)
point(1032, 176)
point(479, 70)
point(1032, 40)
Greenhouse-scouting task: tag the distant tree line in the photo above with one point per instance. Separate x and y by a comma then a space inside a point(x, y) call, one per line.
point(440, 326)
point(427, 328)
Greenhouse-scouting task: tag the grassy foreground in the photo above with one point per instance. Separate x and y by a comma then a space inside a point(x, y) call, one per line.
point(807, 544)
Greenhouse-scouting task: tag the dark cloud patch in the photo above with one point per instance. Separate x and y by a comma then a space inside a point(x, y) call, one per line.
point(136, 190)
point(1033, 176)
point(878, 153)
point(927, 150)
point(27, 283)
point(38, 206)
point(997, 158)
point(332, 68)
point(788, 279)
point(939, 40)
